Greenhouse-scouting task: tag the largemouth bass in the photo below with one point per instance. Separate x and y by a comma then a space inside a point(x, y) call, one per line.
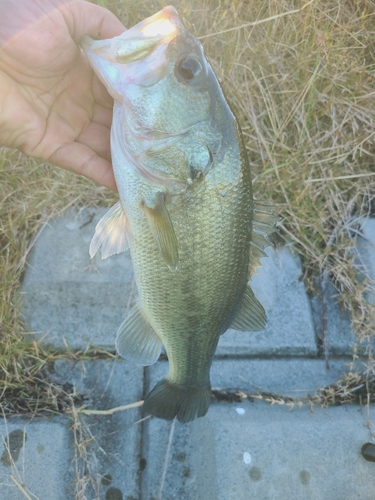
point(186, 208)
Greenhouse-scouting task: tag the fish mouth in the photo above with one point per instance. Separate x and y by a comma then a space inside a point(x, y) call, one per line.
point(163, 23)
point(139, 40)
point(137, 56)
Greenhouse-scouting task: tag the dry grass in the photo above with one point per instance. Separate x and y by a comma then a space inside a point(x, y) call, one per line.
point(30, 194)
point(304, 95)
point(302, 86)
point(353, 388)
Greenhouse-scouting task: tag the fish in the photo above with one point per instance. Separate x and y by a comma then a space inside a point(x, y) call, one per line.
point(185, 210)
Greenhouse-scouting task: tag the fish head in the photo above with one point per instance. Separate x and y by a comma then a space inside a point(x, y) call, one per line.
point(165, 94)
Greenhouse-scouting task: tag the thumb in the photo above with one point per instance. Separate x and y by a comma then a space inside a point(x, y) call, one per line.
point(85, 18)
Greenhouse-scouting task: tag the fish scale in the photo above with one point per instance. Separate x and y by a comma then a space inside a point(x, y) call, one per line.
point(186, 209)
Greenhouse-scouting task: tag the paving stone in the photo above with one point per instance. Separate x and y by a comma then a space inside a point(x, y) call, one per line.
point(67, 295)
point(253, 450)
point(340, 335)
point(115, 452)
point(366, 249)
point(289, 330)
point(244, 451)
point(38, 455)
point(295, 378)
point(43, 450)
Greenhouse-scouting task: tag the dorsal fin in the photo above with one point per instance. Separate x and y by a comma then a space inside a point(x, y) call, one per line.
point(264, 224)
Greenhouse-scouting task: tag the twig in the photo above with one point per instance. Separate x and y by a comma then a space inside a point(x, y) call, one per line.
point(170, 439)
point(111, 411)
point(261, 21)
point(324, 284)
point(20, 487)
point(341, 177)
point(142, 420)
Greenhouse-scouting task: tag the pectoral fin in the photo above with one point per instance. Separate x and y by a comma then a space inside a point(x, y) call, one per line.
point(111, 233)
point(137, 339)
point(162, 229)
point(251, 316)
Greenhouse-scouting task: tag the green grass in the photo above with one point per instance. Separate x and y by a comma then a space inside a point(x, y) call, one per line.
point(302, 88)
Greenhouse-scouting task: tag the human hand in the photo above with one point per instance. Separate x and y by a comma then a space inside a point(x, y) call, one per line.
point(52, 105)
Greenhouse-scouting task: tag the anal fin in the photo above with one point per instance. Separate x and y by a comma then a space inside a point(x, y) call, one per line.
point(137, 339)
point(251, 315)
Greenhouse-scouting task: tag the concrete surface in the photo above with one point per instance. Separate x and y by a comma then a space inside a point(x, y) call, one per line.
point(36, 456)
point(289, 330)
point(250, 450)
point(115, 450)
point(66, 295)
point(247, 450)
point(61, 277)
point(366, 248)
point(295, 378)
point(340, 335)
point(44, 462)
point(262, 454)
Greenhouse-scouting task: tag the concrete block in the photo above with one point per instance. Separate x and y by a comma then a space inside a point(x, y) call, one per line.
point(67, 295)
point(39, 453)
point(289, 330)
point(340, 334)
point(295, 378)
point(256, 451)
point(366, 249)
point(114, 450)
point(36, 455)
point(292, 377)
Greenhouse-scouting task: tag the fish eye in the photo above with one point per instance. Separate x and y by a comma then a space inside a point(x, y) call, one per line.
point(188, 69)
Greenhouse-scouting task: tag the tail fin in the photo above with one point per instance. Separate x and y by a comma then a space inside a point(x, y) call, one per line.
point(167, 400)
